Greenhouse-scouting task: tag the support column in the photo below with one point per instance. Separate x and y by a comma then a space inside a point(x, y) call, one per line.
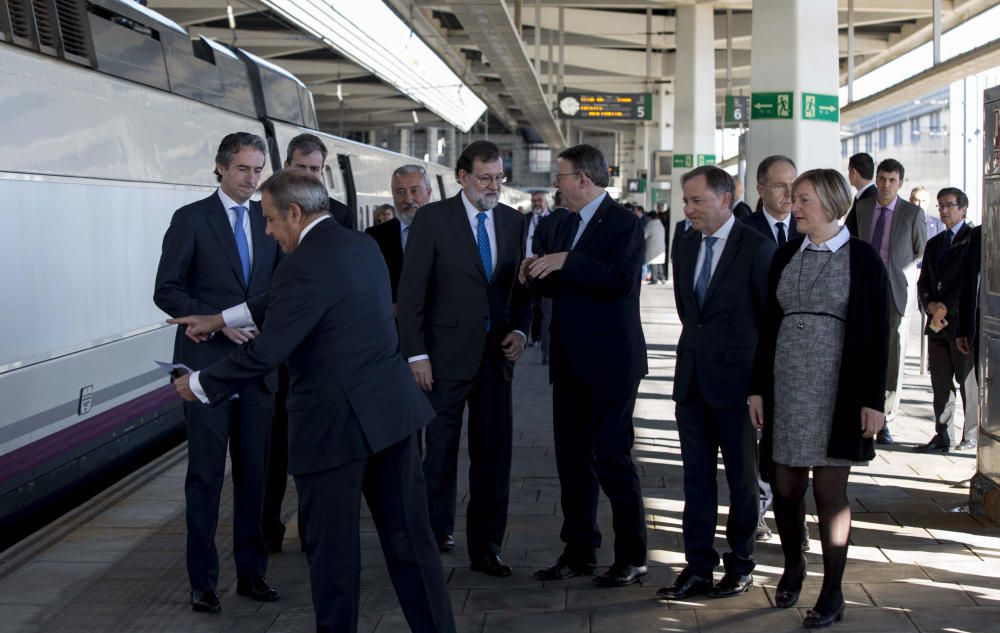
point(794, 80)
point(694, 98)
point(405, 144)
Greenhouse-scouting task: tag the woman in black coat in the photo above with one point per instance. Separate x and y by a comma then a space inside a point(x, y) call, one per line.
point(824, 348)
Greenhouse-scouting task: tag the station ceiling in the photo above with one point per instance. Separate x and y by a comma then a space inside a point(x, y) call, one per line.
point(508, 52)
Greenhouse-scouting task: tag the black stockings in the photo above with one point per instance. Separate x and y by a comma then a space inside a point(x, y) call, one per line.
point(834, 510)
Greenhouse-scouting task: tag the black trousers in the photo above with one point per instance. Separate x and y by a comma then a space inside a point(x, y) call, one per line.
point(277, 468)
point(947, 366)
point(489, 399)
point(704, 430)
point(593, 441)
point(330, 508)
point(244, 425)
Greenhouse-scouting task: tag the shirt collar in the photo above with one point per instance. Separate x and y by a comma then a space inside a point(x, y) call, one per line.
point(309, 226)
point(771, 220)
point(228, 202)
point(833, 244)
point(589, 209)
point(862, 190)
point(958, 227)
point(891, 206)
point(723, 232)
point(472, 211)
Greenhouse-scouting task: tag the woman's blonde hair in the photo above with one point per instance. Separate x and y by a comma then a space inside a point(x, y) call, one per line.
point(832, 190)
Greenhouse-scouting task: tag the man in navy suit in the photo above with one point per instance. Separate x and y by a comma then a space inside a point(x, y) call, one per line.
point(216, 254)
point(308, 153)
point(463, 320)
point(720, 287)
point(353, 406)
point(411, 189)
point(598, 358)
point(775, 175)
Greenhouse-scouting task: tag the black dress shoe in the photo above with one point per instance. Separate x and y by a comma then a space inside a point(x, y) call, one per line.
point(687, 584)
point(621, 575)
point(563, 569)
point(816, 620)
point(257, 589)
point(446, 543)
point(936, 445)
point(789, 595)
point(732, 585)
point(205, 601)
point(491, 566)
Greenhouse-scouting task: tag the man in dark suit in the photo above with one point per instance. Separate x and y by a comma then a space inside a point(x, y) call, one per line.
point(215, 254)
point(939, 289)
point(860, 173)
point(740, 208)
point(775, 176)
point(598, 359)
point(682, 228)
point(307, 153)
point(463, 320)
point(411, 189)
point(353, 407)
point(967, 340)
point(898, 231)
point(720, 287)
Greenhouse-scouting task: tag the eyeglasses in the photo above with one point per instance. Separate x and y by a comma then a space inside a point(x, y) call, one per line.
point(947, 205)
point(572, 173)
point(486, 180)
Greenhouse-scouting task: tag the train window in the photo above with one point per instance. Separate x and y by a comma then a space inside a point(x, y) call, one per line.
point(328, 179)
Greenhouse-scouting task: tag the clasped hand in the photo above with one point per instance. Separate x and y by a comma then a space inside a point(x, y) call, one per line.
point(541, 267)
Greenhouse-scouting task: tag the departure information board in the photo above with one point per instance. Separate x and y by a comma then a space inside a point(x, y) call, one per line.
point(592, 105)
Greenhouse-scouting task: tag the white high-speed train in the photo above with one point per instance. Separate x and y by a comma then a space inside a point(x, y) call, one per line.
point(110, 116)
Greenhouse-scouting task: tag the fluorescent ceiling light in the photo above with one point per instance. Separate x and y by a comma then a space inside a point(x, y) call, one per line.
point(374, 37)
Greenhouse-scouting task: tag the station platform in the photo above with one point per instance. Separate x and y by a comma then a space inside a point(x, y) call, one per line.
point(918, 561)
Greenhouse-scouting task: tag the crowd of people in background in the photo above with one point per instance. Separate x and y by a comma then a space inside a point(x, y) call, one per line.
point(790, 361)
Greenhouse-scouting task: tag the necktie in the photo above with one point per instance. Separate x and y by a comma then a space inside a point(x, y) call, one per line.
point(781, 233)
point(405, 236)
point(705, 274)
point(572, 226)
point(242, 246)
point(943, 253)
point(483, 239)
point(879, 230)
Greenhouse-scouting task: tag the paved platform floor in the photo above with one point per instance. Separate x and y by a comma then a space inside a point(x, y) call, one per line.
point(918, 561)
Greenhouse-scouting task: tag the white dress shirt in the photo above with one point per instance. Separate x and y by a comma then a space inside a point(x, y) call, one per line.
point(229, 203)
point(472, 212)
point(862, 190)
point(773, 223)
point(239, 316)
point(720, 243)
point(587, 214)
point(833, 244)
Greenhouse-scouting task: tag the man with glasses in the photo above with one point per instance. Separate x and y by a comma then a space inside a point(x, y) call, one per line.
point(939, 289)
point(775, 176)
point(598, 358)
point(462, 324)
point(898, 231)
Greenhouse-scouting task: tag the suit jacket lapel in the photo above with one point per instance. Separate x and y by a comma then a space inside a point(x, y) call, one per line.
point(594, 223)
point(728, 254)
point(687, 260)
point(258, 236)
point(218, 219)
point(463, 233)
point(902, 209)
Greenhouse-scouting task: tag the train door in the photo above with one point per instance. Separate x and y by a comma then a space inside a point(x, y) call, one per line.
point(988, 476)
point(347, 177)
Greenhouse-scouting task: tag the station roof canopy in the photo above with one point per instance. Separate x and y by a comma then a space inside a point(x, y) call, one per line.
point(504, 56)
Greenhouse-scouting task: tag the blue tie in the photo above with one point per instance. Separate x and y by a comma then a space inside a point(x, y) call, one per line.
point(483, 239)
point(705, 274)
point(242, 246)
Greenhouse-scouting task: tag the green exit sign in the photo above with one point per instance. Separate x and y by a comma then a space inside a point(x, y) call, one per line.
point(771, 105)
point(816, 107)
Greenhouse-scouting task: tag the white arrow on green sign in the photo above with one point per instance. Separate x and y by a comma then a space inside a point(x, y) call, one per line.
point(817, 107)
point(771, 105)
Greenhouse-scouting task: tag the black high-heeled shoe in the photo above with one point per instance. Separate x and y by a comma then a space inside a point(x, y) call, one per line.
point(816, 620)
point(784, 598)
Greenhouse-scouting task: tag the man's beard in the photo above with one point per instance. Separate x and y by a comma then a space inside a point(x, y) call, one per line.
point(407, 213)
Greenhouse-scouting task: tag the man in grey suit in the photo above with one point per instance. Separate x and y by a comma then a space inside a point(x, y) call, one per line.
point(898, 231)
